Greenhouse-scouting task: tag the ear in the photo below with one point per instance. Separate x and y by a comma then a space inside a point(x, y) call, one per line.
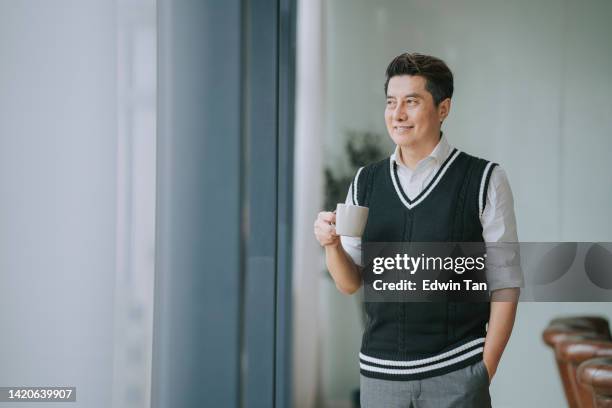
point(444, 109)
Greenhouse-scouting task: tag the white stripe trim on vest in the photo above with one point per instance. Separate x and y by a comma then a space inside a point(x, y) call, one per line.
point(422, 369)
point(424, 360)
point(355, 187)
point(482, 186)
point(430, 187)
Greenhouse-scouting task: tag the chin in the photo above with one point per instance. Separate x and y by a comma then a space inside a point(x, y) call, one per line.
point(403, 140)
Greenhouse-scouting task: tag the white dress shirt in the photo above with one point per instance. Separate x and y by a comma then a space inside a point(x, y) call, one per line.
point(497, 219)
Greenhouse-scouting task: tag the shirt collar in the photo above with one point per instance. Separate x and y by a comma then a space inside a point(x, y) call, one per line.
point(440, 153)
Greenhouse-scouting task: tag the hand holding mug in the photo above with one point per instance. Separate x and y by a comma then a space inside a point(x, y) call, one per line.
point(325, 229)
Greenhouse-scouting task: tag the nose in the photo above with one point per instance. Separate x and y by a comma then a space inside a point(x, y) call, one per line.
point(399, 113)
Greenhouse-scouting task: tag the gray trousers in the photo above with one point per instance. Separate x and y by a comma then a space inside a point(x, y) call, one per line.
point(464, 388)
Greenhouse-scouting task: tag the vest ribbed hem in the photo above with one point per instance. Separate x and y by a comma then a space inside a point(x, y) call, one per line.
point(404, 370)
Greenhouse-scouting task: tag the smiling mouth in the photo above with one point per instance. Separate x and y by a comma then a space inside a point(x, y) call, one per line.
point(402, 128)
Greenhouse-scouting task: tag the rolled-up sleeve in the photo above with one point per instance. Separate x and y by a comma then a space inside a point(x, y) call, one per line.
point(499, 232)
point(352, 245)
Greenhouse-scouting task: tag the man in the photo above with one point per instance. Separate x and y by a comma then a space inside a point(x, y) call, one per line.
point(423, 354)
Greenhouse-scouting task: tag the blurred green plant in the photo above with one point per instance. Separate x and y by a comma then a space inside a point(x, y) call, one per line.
point(362, 147)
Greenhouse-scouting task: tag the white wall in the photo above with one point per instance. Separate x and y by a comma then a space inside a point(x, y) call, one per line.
point(532, 92)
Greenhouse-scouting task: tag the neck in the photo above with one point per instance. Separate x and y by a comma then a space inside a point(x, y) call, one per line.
point(412, 154)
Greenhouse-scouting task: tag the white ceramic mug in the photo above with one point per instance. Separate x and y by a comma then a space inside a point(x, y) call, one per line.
point(351, 219)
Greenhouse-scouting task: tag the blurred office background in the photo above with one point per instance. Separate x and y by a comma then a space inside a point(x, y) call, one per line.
point(532, 92)
point(162, 163)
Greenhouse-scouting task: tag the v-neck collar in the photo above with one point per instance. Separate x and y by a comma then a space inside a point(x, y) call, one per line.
point(410, 204)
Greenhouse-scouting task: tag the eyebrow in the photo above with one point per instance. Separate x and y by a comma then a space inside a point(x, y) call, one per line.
point(411, 95)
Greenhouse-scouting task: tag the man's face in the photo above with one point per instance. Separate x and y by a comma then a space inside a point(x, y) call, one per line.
point(411, 115)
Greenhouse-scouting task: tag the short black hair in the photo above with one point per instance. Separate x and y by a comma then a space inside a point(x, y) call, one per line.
point(439, 78)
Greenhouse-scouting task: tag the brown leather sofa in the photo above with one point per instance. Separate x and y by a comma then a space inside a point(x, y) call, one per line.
point(575, 351)
point(596, 375)
point(574, 340)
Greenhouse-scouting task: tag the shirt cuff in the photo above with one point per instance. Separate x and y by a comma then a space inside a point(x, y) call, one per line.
point(352, 246)
point(504, 277)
